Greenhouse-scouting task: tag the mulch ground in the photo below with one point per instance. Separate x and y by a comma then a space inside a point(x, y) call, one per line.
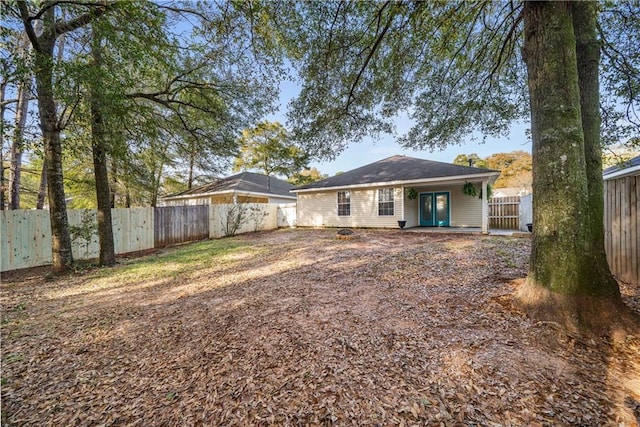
point(387, 328)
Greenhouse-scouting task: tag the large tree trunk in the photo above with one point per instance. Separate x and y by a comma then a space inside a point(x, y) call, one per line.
point(588, 60)
point(113, 183)
point(192, 161)
point(17, 145)
point(562, 285)
point(61, 240)
point(42, 189)
point(100, 149)
point(3, 89)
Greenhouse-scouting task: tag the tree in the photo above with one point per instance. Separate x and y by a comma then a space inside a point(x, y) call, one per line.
point(568, 275)
point(266, 148)
point(365, 62)
point(100, 151)
point(514, 167)
point(129, 85)
point(17, 145)
point(307, 176)
point(470, 160)
point(43, 48)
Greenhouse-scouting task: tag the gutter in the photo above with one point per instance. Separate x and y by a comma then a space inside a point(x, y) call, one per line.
point(621, 173)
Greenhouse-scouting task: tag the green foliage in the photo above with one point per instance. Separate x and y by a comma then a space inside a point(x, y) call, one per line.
point(515, 167)
point(412, 194)
point(470, 160)
point(307, 176)
point(619, 28)
point(84, 232)
point(267, 148)
point(452, 67)
point(363, 63)
point(469, 189)
point(176, 85)
point(489, 192)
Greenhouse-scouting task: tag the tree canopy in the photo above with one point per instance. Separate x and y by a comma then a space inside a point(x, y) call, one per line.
point(515, 167)
point(458, 67)
point(268, 149)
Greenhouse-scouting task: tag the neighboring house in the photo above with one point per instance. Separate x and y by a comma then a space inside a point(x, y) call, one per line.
point(511, 192)
point(622, 219)
point(245, 187)
point(399, 188)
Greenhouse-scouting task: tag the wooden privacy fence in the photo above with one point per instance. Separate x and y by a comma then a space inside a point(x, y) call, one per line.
point(504, 213)
point(622, 227)
point(25, 235)
point(177, 224)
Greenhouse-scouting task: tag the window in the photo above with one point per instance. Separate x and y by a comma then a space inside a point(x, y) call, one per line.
point(385, 201)
point(344, 203)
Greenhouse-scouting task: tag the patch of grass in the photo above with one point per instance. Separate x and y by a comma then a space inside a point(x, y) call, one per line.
point(12, 358)
point(185, 258)
point(170, 263)
point(20, 307)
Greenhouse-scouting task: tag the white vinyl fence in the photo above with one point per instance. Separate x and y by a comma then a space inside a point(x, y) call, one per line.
point(25, 235)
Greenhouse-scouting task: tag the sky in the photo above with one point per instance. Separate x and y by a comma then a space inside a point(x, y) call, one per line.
point(372, 150)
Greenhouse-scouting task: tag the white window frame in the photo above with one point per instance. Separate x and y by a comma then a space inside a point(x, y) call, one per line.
point(344, 204)
point(381, 193)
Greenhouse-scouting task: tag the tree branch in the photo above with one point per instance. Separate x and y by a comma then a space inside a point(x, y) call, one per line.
point(372, 51)
point(28, 28)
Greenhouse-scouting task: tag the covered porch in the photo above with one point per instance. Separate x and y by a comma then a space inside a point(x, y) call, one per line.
point(442, 204)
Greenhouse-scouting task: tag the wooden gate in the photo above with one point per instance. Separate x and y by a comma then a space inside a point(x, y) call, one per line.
point(177, 224)
point(504, 213)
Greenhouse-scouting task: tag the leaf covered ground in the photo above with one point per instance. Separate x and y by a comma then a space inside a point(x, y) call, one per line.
point(296, 327)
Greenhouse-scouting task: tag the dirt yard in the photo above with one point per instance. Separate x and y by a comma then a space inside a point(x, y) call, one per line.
point(299, 328)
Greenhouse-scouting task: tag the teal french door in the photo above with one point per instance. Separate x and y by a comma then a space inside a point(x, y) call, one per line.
point(434, 209)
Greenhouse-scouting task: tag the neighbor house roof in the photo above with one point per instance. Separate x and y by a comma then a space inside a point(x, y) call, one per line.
point(400, 170)
point(242, 183)
point(630, 167)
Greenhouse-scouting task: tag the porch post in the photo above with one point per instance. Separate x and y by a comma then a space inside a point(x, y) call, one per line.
point(485, 209)
point(402, 190)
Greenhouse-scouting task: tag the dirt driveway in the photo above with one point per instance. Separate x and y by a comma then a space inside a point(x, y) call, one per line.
point(295, 327)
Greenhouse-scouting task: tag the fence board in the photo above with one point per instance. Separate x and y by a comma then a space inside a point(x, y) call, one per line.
point(504, 213)
point(287, 215)
point(177, 224)
point(133, 229)
point(25, 235)
point(26, 239)
point(622, 231)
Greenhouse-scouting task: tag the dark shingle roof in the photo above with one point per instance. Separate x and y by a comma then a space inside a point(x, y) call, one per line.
point(396, 168)
point(244, 182)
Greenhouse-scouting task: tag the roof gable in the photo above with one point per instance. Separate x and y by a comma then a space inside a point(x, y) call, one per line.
point(397, 168)
point(243, 182)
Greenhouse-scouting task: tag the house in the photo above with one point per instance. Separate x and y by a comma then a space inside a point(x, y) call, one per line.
point(245, 187)
point(511, 191)
point(622, 220)
point(398, 188)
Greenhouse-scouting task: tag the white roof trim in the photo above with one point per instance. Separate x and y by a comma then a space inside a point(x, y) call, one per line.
point(437, 180)
point(218, 193)
point(622, 172)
